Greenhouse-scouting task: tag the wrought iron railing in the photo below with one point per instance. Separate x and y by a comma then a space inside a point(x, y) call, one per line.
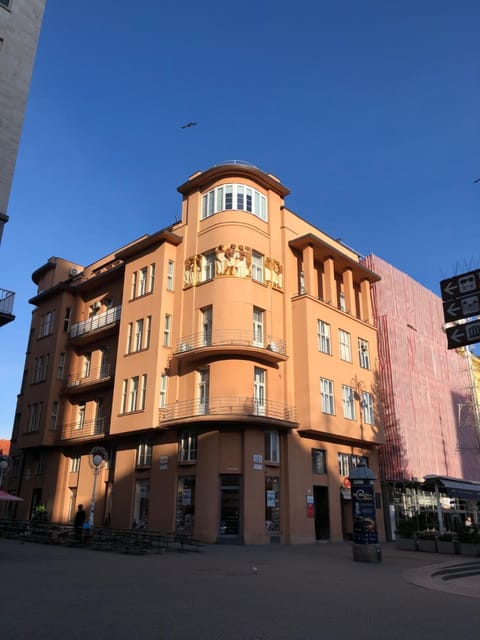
point(82, 429)
point(230, 338)
point(88, 377)
point(96, 322)
point(228, 407)
point(6, 301)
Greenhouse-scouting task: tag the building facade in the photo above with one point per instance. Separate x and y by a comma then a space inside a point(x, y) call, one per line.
point(224, 368)
point(428, 406)
point(20, 22)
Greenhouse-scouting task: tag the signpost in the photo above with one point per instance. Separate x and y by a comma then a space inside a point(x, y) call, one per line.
point(461, 300)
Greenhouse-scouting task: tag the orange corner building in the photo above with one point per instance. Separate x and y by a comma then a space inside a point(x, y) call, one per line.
point(225, 368)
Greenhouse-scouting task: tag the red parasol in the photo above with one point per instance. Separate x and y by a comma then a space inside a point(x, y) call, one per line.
point(8, 497)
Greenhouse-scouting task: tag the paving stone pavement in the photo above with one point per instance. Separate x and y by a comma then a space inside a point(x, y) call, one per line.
point(275, 592)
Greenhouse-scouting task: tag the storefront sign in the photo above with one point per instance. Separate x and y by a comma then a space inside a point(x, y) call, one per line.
point(270, 498)
point(257, 461)
point(163, 462)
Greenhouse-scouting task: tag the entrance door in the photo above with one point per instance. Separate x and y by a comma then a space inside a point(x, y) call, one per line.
point(322, 518)
point(230, 506)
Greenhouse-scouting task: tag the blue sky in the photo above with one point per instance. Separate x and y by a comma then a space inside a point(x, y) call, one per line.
point(368, 110)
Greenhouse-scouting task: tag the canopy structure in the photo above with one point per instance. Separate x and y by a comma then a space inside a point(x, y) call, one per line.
point(8, 497)
point(453, 487)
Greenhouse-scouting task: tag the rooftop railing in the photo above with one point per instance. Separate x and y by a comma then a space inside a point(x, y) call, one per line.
point(6, 301)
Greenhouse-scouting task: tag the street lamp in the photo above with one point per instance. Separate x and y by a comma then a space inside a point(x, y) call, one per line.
point(98, 456)
point(3, 468)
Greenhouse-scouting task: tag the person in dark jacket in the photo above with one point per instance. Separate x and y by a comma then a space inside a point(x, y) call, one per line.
point(78, 522)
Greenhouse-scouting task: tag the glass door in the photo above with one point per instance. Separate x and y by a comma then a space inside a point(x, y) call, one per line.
point(230, 506)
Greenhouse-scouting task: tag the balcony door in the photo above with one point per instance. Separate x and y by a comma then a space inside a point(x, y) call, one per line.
point(207, 326)
point(230, 506)
point(203, 390)
point(259, 395)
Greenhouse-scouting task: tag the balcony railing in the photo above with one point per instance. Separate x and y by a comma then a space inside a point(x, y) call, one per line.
point(82, 429)
point(92, 377)
point(228, 409)
point(229, 339)
point(109, 317)
point(6, 306)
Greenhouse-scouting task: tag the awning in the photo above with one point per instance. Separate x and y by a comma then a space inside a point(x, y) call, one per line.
point(9, 497)
point(453, 487)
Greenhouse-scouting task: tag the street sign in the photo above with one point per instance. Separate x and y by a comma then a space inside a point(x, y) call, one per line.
point(464, 307)
point(465, 283)
point(461, 335)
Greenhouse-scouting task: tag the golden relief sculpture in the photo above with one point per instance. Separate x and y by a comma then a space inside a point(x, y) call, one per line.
point(231, 260)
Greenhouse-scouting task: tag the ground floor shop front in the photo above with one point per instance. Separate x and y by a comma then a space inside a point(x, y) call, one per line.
point(232, 484)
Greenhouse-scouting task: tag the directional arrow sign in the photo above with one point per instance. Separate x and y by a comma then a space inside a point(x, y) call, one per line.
point(464, 307)
point(466, 283)
point(463, 334)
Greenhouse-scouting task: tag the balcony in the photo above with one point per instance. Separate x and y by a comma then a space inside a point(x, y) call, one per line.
point(79, 382)
point(205, 347)
point(91, 327)
point(82, 430)
point(229, 409)
point(6, 306)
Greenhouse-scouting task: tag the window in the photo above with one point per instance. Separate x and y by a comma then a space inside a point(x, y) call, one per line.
point(34, 413)
point(367, 408)
point(141, 505)
point(341, 302)
point(166, 330)
point(203, 390)
point(40, 367)
point(258, 316)
point(344, 340)
point(61, 366)
point(207, 324)
point(319, 461)
point(272, 446)
point(257, 267)
point(208, 266)
point(144, 454)
point(129, 337)
point(54, 416)
point(326, 391)
point(163, 390)
point(259, 395)
point(187, 447)
point(143, 392)
point(133, 292)
point(87, 364)
point(75, 464)
point(324, 344)
point(170, 274)
point(348, 397)
point(148, 330)
point(41, 464)
point(185, 512)
point(6, 4)
point(81, 416)
point(142, 282)
point(46, 324)
point(124, 396)
point(348, 461)
point(133, 394)
point(363, 354)
point(138, 335)
point(67, 319)
point(234, 196)
point(151, 284)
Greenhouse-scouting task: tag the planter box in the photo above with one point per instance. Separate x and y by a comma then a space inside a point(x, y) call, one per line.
point(407, 544)
point(447, 546)
point(468, 549)
point(427, 545)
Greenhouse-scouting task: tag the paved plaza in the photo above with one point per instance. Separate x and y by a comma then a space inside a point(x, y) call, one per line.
point(236, 593)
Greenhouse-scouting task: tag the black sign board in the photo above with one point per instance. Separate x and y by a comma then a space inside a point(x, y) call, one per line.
point(462, 285)
point(464, 307)
point(461, 335)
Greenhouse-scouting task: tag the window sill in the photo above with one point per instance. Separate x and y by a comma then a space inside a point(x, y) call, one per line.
point(187, 463)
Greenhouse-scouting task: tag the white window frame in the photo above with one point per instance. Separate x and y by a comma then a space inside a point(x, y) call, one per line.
point(147, 332)
point(207, 326)
point(187, 447)
point(129, 337)
point(143, 393)
point(134, 286)
point(138, 340)
point(75, 464)
point(368, 412)
point(170, 275)
point(151, 282)
point(236, 197)
point(163, 390)
point(324, 338)
point(144, 453)
point(208, 266)
point(82, 409)
point(259, 391)
point(344, 340)
point(142, 282)
point(87, 364)
point(272, 447)
point(348, 399)
point(167, 330)
point(327, 396)
point(363, 353)
point(133, 394)
point(203, 390)
point(258, 271)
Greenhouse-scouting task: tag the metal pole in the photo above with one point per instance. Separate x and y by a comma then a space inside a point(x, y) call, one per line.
point(91, 519)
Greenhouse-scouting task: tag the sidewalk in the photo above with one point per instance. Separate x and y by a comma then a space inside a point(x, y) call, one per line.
point(307, 592)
